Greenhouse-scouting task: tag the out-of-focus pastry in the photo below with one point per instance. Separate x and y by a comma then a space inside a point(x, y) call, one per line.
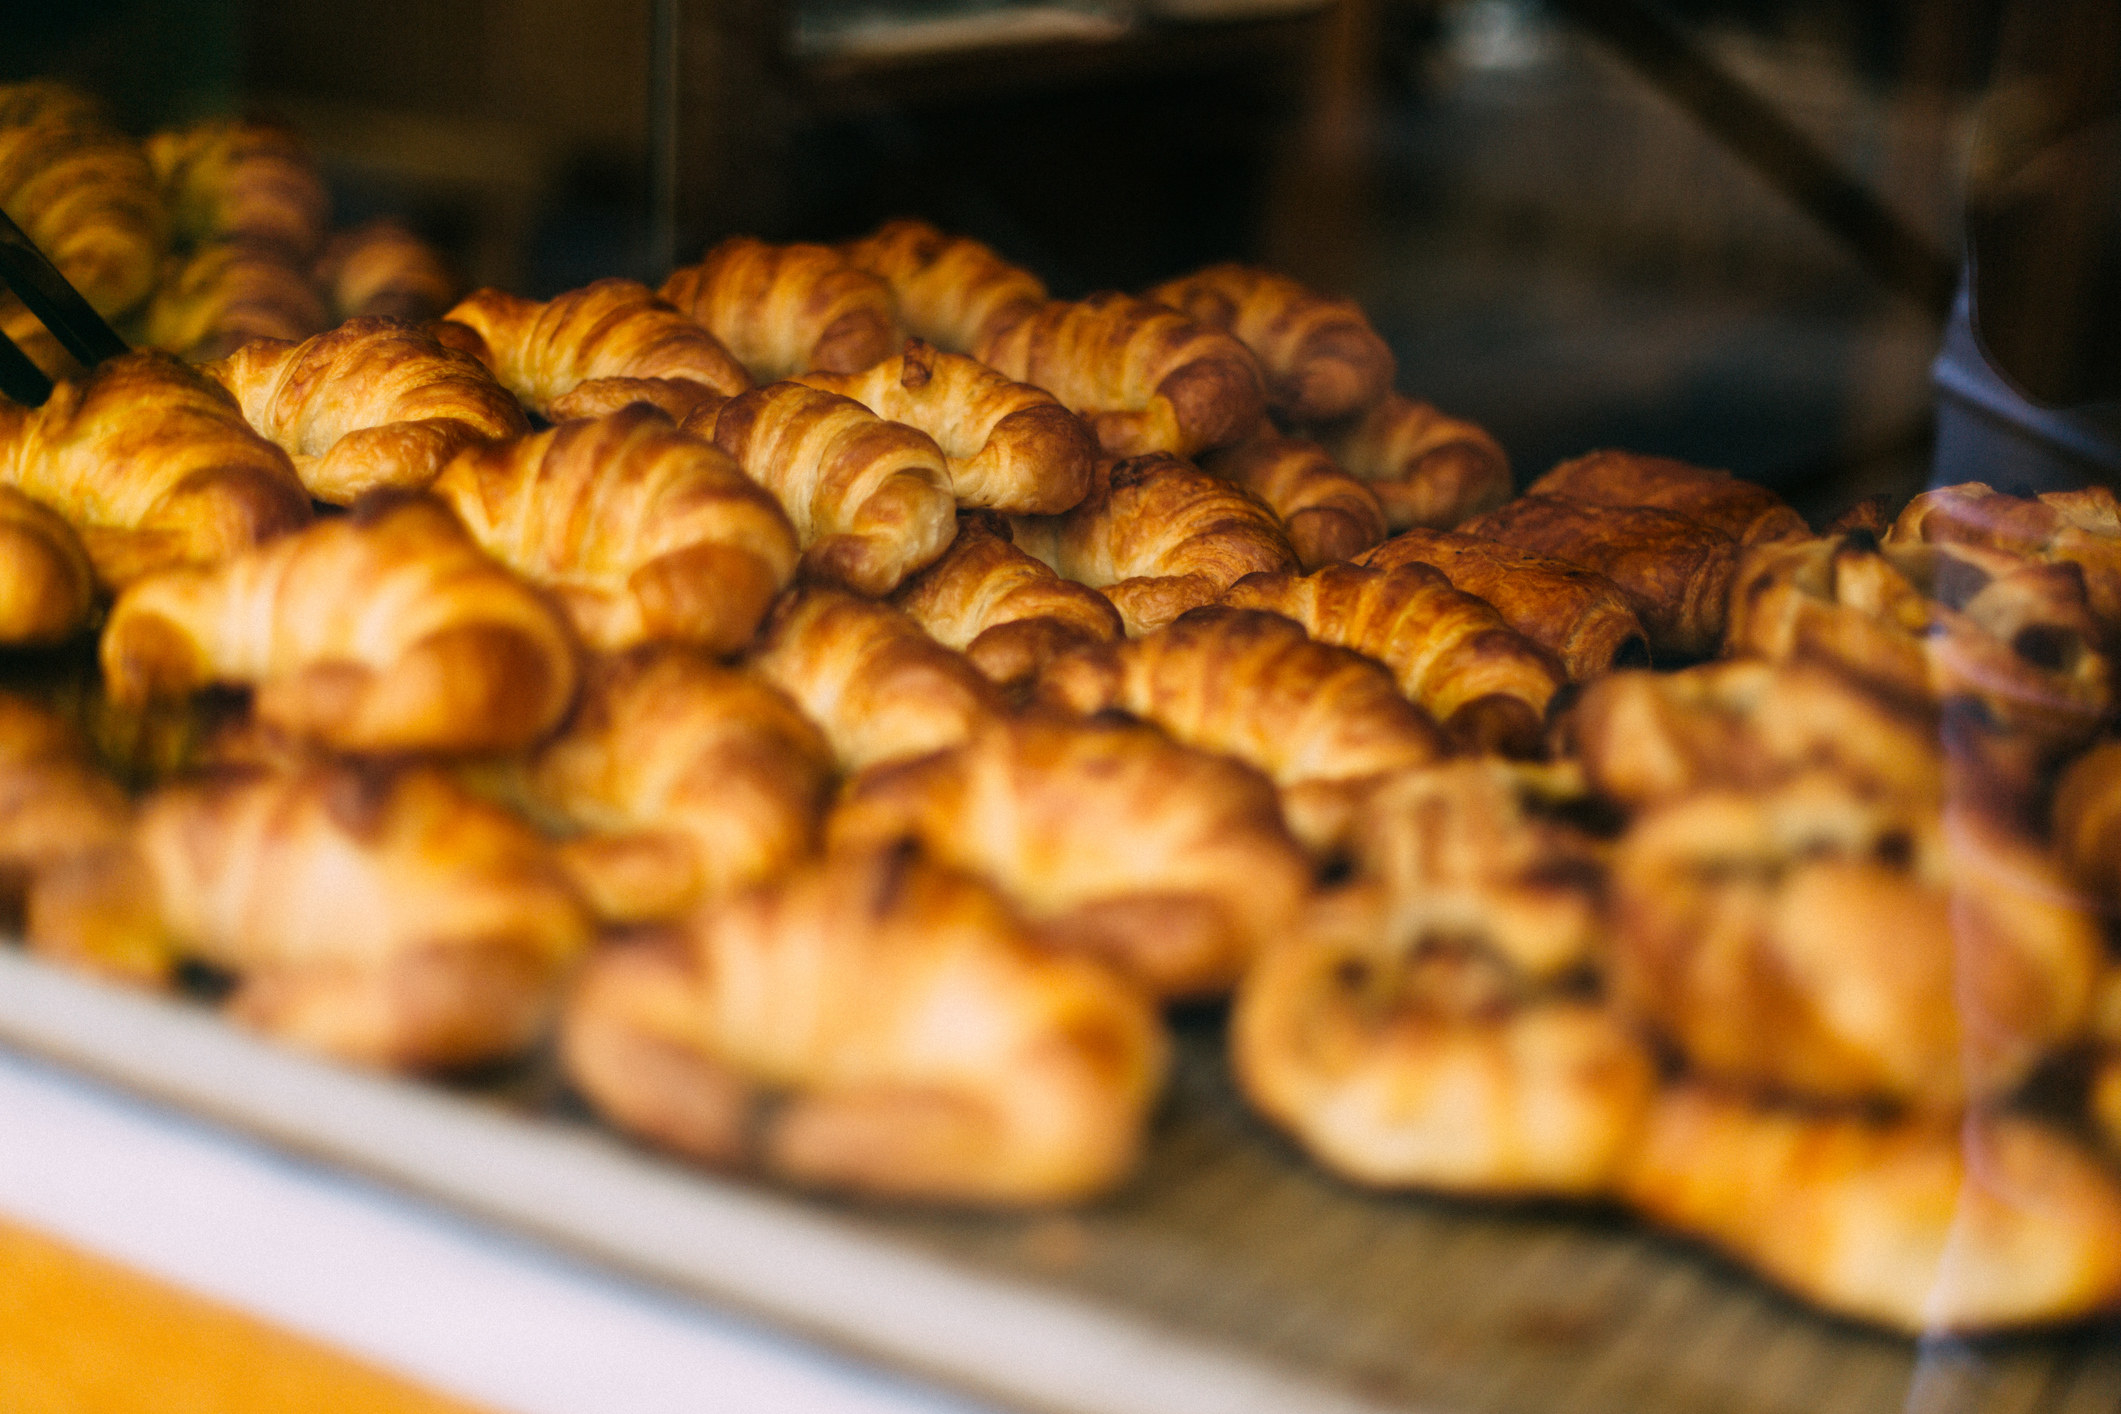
point(47, 586)
point(947, 289)
point(54, 803)
point(1744, 510)
point(786, 309)
point(229, 292)
point(2087, 820)
point(381, 268)
point(1320, 357)
point(240, 179)
point(1426, 468)
point(83, 193)
point(1328, 514)
point(2081, 528)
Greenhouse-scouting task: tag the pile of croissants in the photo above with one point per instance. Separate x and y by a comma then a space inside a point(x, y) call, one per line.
point(843, 696)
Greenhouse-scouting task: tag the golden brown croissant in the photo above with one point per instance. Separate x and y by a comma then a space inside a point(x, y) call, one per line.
point(1746, 511)
point(1008, 613)
point(947, 289)
point(867, 674)
point(1321, 359)
point(640, 531)
point(788, 309)
point(228, 293)
point(1449, 652)
point(36, 102)
point(872, 1024)
point(381, 268)
point(1113, 839)
point(608, 330)
point(153, 465)
point(1146, 377)
point(1921, 1225)
point(55, 805)
point(373, 403)
point(1809, 940)
point(1580, 617)
point(1008, 445)
point(1425, 468)
point(84, 195)
point(238, 179)
point(1329, 515)
point(382, 631)
point(1675, 572)
point(2087, 821)
point(1158, 536)
point(47, 586)
point(2082, 528)
point(870, 499)
point(686, 779)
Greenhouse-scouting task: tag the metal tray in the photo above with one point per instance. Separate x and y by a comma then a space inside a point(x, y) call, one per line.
point(1229, 1276)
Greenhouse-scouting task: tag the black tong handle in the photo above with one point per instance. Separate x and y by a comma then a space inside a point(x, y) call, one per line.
point(19, 378)
point(77, 326)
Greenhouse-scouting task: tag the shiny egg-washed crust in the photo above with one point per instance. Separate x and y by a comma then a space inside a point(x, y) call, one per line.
point(872, 1024)
point(374, 403)
point(84, 195)
point(947, 289)
point(1111, 838)
point(1808, 940)
point(383, 631)
point(1579, 616)
point(1926, 1226)
point(1008, 445)
point(547, 354)
point(1007, 612)
point(1449, 651)
point(641, 531)
point(1320, 357)
point(1329, 515)
point(1675, 572)
point(1146, 377)
point(153, 465)
point(2082, 528)
point(227, 293)
point(1425, 468)
point(240, 179)
point(787, 309)
point(1746, 511)
point(685, 779)
point(878, 685)
point(47, 586)
point(381, 268)
point(1158, 536)
point(870, 499)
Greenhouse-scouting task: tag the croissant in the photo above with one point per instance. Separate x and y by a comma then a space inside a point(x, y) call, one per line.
point(608, 330)
point(1115, 841)
point(2082, 528)
point(373, 403)
point(1008, 445)
point(1675, 572)
point(1746, 511)
point(84, 195)
point(38, 102)
point(1147, 378)
point(1449, 652)
point(639, 530)
point(382, 631)
point(863, 671)
point(54, 804)
point(381, 268)
point(47, 586)
point(239, 179)
point(687, 781)
point(228, 293)
point(1008, 613)
point(1809, 940)
point(2087, 821)
point(152, 464)
point(1922, 1225)
point(1580, 617)
point(947, 289)
point(1328, 514)
point(788, 309)
point(1320, 357)
point(816, 1028)
point(1158, 536)
point(870, 499)
point(1426, 469)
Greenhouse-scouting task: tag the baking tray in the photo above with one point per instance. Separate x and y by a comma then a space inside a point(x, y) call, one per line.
point(1228, 1277)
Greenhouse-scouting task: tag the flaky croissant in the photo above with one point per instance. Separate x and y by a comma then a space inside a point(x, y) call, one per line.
point(641, 531)
point(55, 805)
point(2081, 527)
point(686, 780)
point(1746, 511)
point(240, 179)
point(1329, 515)
point(947, 289)
point(559, 357)
point(84, 195)
point(373, 403)
point(47, 585)
point(1320, 357)
point(1146, 377)
point(229, 292)
point(1008, 445)
point(788, 309)
point(381, 268)
point(870, 499)
point(1158, 536)
point(872, 1024)
point(153, 465)
point(1008, 613)
point(382, 631)
point(879, 686)
point(1425, 468)
point(1113, 840)
point(1449, 652)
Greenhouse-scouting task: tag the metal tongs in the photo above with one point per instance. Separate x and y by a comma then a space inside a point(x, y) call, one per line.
point(58, 306)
